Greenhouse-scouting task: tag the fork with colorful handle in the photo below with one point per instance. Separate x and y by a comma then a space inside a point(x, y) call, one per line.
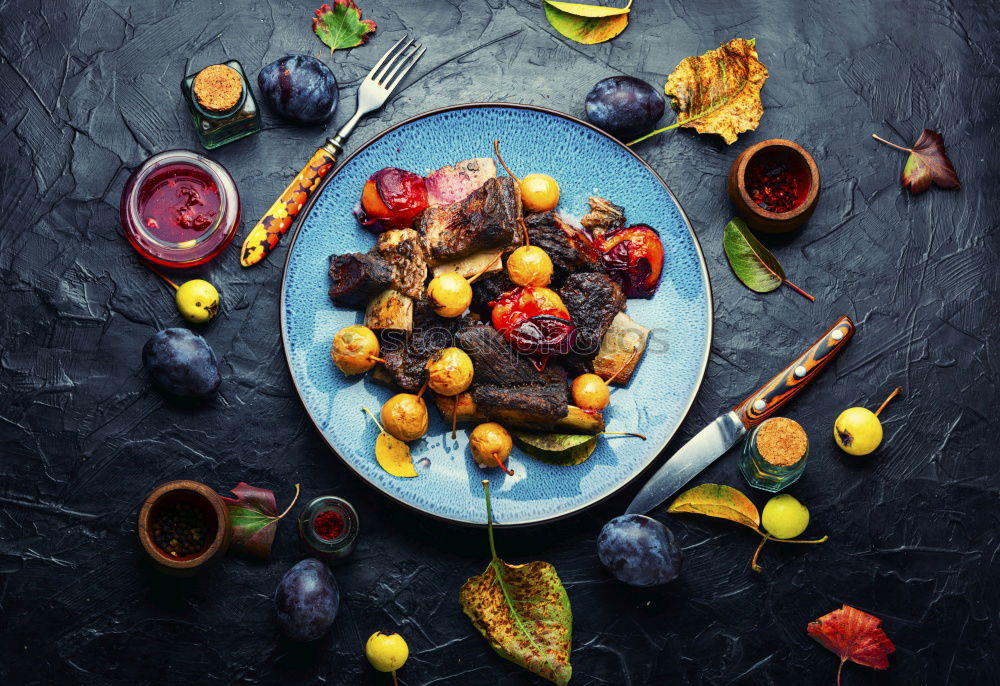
point(375, 89)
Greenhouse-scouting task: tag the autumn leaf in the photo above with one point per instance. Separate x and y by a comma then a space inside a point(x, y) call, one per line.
point(392, 454)
point(718, 500)
point(565, 450)
point(253, 515)
point(341, 26)
point(927, 162)
point(718, 92)
point(523, 611)
point(853, 635)
point(587, 24)
point(753, 264)
point(725, 502)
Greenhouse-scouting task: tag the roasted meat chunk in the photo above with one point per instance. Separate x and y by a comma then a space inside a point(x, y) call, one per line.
point(402, 250)
point(496, 363)
point(603, 216)
point(593, 300)
point(569, 248)
point(356, 278)
point(488, 218)
point(487, 289)
point(406, 356)
point(452, 184)
point(543, 402)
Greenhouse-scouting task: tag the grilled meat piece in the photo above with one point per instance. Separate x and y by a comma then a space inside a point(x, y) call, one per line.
point(496, 363)
point(406, 356)
point(603, 216)
point(402, 250)
point(356, 278)
point(593, 300)
point(454, 183)
point(568, 248)
point(487, 289)
point(488, 218)
point(546, 401)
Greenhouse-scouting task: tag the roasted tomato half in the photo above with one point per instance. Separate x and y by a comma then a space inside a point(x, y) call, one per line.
point(535, 321)
point(392, 198)
point(633, 256)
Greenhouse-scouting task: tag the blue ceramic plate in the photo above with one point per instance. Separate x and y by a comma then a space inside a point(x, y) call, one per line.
point(585, 162)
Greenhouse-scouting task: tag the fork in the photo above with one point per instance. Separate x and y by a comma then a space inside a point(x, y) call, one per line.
point(375, 89)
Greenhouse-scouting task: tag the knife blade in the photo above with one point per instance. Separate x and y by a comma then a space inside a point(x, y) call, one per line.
point(714, 440)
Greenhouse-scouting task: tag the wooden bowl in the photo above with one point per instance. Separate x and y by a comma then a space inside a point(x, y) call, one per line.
point(216, 517)
point(799, 162)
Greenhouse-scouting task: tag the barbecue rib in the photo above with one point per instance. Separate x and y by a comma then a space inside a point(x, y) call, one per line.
point(539, 405)
point(593, 300)
point(495, 362)
point(488, 218)
point(568, 248)
point(356, 278)
point(487, 289)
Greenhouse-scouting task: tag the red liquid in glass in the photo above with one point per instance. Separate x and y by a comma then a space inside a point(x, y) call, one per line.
point(178, 202)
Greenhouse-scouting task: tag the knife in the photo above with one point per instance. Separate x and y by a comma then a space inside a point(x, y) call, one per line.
point(715, 439)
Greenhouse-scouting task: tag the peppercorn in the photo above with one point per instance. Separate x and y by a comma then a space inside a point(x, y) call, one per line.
point(180, 529)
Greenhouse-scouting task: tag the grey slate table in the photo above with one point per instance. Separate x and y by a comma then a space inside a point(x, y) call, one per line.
point(89, 88)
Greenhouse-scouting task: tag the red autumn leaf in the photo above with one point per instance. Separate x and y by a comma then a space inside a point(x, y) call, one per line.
point(928, 162)
point(853, 635)
point(253, 516)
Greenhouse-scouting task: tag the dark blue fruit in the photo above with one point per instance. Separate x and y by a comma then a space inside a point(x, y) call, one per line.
point(639, 550)
point(299, 88)
point(181, 363)
point(307, 600)
point(624, 106)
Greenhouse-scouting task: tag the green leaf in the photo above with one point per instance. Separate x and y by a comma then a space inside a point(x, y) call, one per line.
point(522, 611)
point(560, 449)
point(754, 264)
point(341, 26)
point(252, 516)
point(718, 500)
point(587, 24)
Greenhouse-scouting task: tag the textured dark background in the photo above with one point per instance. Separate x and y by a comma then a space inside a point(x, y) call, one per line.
point(89, 88)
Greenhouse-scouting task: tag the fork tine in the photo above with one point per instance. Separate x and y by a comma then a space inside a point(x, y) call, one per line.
point(379, 78)
point(414, 58)
point(385, 57)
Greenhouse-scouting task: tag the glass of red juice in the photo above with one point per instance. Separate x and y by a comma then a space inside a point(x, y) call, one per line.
point(180, 209)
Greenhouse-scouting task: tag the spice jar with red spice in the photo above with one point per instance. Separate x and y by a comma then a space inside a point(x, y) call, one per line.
point(328, 527)
point(774, 454)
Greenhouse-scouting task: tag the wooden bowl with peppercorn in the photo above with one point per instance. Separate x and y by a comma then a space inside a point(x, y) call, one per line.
point(774, 185)
point(183, 525)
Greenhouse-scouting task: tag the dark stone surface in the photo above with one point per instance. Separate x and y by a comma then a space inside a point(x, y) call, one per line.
point(90, 88)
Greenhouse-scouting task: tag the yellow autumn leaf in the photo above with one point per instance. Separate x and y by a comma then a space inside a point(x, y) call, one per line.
point(718, 500)
point(587, 24)
point(394, 456)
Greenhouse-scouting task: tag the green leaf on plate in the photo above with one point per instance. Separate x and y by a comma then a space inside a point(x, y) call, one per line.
point(341, 26)
point(252, 516)
point(559, 449)
point(587, 24)
point(523, 611)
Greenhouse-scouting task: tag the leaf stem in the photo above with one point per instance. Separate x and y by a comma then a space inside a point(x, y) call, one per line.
point(622, 433)
point(796, 540)
point(899, 389)
point(891, 145)
point(291, 504)
point(489, 519)
point(840, 669)
point(798, 290)
point(654, 133)
point(753, 562)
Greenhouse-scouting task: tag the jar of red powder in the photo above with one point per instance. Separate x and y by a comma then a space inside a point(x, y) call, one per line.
point(328, 527)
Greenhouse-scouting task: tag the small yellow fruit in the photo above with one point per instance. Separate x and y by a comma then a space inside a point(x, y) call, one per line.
point(386, 652)
point(857, 431)
point(539, 193)
point(450, 371)
point(197, 301)
point(354, 348)
point(404, 415)
point(590, 392)
point(529, 265)
point(450, 293)
point(784, 517)
point(491, 444)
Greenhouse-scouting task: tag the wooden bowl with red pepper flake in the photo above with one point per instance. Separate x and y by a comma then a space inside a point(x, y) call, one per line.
point(774, 185)
point(182, 525)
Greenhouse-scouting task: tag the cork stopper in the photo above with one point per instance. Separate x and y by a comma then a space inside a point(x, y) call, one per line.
point(218, 88)
point(782, 441)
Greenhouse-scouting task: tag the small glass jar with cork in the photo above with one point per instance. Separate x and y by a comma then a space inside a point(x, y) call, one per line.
point(222, 105)
point(774, 454)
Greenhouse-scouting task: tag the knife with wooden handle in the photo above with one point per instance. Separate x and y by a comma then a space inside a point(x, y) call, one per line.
point(715, 439)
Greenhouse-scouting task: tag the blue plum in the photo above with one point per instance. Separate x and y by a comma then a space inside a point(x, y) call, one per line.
point(181, 363)
point(300, 88)
point(624, 106)
point(307, 601)
point(639, 550)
